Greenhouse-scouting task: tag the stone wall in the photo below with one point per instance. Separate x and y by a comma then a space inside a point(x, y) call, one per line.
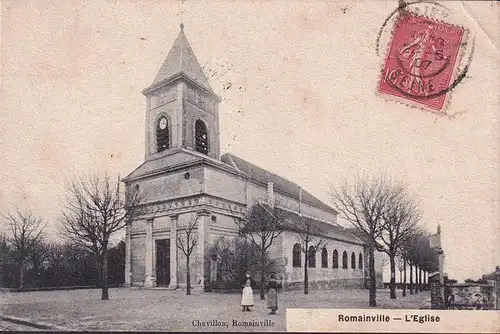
point(138, 258)
point(224, 185)
point(352, 283)
point(328, 277)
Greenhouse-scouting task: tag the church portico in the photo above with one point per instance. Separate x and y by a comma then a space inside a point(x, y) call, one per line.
point(168, 220)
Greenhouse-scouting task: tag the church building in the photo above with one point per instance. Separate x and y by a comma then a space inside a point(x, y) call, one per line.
point(185, 177)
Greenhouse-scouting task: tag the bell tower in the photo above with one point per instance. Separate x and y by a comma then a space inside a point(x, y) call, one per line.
point(182, 109)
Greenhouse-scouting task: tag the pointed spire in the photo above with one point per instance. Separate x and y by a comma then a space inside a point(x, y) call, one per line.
point(181, 59)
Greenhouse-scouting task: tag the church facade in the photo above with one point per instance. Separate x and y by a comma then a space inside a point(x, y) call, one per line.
point(184, 177)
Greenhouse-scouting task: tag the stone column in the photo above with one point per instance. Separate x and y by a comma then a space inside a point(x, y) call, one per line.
point(128, 259)
point(203, 232)
point(148, 279)
point(173, 252)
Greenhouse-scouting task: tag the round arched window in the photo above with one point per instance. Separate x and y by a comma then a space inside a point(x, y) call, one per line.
point(162, 135)
point(201, 137)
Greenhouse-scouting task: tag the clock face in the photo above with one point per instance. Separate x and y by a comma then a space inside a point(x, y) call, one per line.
point(163, 123)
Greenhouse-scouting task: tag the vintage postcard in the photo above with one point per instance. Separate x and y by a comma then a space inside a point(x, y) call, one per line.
point(250, 166)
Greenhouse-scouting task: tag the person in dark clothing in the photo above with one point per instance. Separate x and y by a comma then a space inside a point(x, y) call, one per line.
point(272, 294)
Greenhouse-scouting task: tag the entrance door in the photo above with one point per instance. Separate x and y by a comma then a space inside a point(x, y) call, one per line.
point(163, 262)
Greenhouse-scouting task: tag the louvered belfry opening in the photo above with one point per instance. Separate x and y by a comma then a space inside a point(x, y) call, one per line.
point(162, 135)
point(201, 137)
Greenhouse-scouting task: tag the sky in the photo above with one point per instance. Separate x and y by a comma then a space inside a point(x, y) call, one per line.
point(298, 83)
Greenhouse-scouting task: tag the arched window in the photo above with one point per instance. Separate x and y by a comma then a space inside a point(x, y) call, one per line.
point(162, 135)
point(324, 258)
point(311, 257)
point(360, 261)
point(335, 259)
point(296, 256)
point(201, 137)
point(353, 260)
point(344, 260)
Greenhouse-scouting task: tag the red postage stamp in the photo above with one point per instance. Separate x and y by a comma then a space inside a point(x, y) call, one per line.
point(421, 61)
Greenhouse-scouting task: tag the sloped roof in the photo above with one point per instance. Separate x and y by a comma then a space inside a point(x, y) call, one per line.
point(492, 275)
point(162, 164)
point(181, 59)
point(298, 223)
point(279, 183)
point(359, 234)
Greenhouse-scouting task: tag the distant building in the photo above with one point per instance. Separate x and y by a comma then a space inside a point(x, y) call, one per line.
point(184, 176)
point(494, 278)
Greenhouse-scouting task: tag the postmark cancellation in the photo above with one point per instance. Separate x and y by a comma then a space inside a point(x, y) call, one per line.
point(426, 59)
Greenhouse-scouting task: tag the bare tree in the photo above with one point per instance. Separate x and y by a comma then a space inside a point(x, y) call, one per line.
point(5, 256)
point(262, 225)
point(187, 239)
point(410, 249)
point(311, 241)
point(399, 263)
point(96, 208)
point(38, 255)
point(235, 257)
point(363, 205)
point(26, 233)
point(401, 217)
point(426, 258)
point(402, 255)
point(56, 255)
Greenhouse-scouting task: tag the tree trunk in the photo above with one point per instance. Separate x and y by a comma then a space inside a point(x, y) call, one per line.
point(306, 278)
point(416, 279)
point(98, 283)
point(262, 274)
point(188, 276)
point(420, 279)
point(392, 284)
point(401, 278)
point(373, 282)
point(21, 274)
point(104, 272)
point(404, 277)
point(411, 279)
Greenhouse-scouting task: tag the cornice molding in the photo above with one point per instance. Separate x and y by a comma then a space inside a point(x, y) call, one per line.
point(196, 203)
point(177, 77)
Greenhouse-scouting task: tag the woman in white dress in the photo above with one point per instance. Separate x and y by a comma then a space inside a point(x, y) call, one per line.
point(247, 294)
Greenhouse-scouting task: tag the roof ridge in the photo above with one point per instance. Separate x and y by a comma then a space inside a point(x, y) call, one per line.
point(282, 184)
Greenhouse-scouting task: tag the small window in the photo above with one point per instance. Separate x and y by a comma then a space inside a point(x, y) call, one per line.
point(360, 261)
point(344, 260)
point(296, 255)
point(312, 257)
point(187, 176)
point(335, 259)
point(162, 134)
point(324, 258)
point(353, 261)
point(201, 137)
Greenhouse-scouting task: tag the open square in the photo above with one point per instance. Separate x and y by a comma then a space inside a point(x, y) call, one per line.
point(164, 310)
